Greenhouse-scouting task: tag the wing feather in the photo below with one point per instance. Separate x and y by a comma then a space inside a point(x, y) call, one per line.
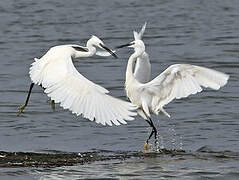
point(181, 80)
point(64, 84)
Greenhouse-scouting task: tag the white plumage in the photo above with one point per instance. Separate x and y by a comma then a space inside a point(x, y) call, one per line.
point(181, 80)
point(177, 81)
point(65, 85)
point(142, 70)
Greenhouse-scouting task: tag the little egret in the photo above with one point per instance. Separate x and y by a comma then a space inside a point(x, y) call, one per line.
point(61, 81)
point(176, 82)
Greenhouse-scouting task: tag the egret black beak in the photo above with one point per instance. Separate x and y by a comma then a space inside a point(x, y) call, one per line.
point(109, 50)
point(125, 45)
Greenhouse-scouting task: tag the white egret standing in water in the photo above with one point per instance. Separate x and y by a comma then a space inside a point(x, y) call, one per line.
point(176, 82)
point(61, 81)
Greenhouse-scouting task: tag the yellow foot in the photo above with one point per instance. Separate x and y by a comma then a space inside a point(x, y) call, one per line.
point(147, 147)
point(20, 109)
point(52, 104)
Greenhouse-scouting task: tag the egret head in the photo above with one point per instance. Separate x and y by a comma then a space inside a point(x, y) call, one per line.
point(95, 41)
point(138, 46)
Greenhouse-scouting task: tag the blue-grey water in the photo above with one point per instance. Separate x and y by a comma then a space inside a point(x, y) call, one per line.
point(201, 32)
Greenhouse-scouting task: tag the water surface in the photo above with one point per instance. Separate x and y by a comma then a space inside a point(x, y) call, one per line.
point(180, 31)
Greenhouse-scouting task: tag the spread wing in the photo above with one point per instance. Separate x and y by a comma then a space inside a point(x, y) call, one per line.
point(181, 80)
point(65, 85)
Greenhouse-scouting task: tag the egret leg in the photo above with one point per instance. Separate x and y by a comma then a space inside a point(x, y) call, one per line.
point(147, 146)
point(156, 143)
point(21, 108)
point(51, 101)
point(52, 104)
point(154, 130)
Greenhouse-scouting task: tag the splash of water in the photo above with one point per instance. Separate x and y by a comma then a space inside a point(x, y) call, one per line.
point(173, 140)
point(176, 140)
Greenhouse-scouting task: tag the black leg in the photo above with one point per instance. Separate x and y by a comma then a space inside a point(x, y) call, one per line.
point(29, 93)
point(154, 130)
point(51, 101)
point(21, 108)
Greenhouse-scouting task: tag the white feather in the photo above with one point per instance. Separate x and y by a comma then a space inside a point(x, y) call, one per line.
point(176, 82)
point(181, 80)
point(142, 70)
point(65, 85)
point(138, 36)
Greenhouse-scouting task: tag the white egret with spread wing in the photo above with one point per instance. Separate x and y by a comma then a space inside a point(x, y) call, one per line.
point(61, 81)
point(176, 82)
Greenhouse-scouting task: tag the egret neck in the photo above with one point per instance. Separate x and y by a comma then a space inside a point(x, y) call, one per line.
point(129, 70)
